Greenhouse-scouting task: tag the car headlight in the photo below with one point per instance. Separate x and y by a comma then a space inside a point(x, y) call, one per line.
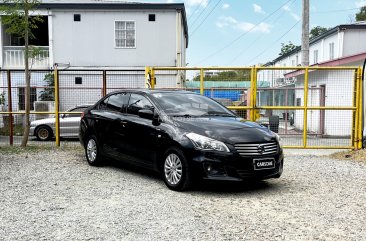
point(204, 143)
point(279, 139)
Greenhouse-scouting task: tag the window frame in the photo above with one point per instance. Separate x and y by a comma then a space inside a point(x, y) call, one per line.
point(331, 51)
point(316, 56)
point(21, 105)
point(135, 29)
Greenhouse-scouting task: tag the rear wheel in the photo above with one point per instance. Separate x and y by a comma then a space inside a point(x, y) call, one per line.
point(92, 153)
point(175, 171)
point(44, 133)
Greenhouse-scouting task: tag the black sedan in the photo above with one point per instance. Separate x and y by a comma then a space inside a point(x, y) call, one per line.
point(182, 135)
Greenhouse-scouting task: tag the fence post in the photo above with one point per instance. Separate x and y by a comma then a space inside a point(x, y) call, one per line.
point(253, 90)
point(202, 86)
point(57, 109)
point(306, 81)
point(152, 78)
point(360, 108)
point(104, 91)
point(10, 109)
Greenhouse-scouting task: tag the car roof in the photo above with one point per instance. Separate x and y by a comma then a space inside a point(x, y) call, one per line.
point(152, 91)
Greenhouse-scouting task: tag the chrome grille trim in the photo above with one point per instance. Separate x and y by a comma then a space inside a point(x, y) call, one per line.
point(252, 149)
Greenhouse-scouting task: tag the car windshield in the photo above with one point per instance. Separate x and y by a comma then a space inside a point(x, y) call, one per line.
point(189, 105)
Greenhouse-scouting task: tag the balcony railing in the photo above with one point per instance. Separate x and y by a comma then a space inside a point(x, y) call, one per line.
point(13, 57)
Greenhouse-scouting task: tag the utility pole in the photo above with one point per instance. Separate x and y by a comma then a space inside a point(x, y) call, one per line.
point(305, 34)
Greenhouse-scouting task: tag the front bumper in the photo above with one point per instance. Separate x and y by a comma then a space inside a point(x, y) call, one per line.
point(233, 167)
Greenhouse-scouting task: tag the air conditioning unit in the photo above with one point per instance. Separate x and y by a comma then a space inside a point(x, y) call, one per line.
point(44, 106)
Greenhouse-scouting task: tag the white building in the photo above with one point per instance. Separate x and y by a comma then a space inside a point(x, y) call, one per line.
point(343, 45)
point(97, 35)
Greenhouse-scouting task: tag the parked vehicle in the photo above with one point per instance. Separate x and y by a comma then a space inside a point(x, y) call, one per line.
point(180, 134)
point(44, 129)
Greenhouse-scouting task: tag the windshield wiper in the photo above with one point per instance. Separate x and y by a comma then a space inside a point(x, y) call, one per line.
point(217, 113)
point(185, 116)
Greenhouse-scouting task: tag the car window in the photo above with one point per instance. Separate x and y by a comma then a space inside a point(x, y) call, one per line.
point(117, 102)
point(138, 102)
point(189, 105)
point(103, 104)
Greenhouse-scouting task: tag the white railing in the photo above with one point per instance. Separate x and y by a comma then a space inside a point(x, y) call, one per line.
point(13, 57)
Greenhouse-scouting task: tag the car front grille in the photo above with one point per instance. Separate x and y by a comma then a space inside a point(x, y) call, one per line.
point(257, 149)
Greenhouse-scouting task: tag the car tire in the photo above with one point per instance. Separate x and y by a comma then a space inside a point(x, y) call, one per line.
point(92, 151)
point(44, 133)
point(175, 170)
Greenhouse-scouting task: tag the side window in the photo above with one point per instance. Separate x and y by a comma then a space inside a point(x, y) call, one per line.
point(117, 102)
point(103, 104)
point(136, 103)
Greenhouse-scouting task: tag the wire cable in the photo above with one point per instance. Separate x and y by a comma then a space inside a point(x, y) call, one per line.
point(259, 37)
point(242, 35)
point(201, 14)
point(275, 42)
point(195, 10)
point(206, 17)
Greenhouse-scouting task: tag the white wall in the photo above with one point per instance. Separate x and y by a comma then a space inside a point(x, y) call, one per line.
point(338, 92)
point(90, 42)
point(354, 42)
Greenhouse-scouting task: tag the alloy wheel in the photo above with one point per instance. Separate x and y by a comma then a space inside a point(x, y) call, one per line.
point(173, 169)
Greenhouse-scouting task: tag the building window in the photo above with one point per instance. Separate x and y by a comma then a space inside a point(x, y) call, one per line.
point(125, 34)
point(297, 60)
point(316, 56)
point(21, 97)
point(152, 17)
point(331, 51)
point(77, 17)
point(298, 101)
point(78, 80)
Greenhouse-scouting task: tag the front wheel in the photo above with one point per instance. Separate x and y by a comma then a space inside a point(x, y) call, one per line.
point(92, 153)
point(44, 133)
point(176, 172)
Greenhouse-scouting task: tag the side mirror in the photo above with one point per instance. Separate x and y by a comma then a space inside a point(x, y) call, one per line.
point(146, 114)
point(62, 116)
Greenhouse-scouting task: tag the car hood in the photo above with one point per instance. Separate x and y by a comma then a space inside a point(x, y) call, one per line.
point(43, 121)
point(226, 129)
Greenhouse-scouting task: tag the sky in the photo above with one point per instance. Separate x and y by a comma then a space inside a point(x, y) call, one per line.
point(249, 32)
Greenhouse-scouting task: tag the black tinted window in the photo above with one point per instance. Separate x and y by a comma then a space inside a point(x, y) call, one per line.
point(117, 102)
point(136, 103)
point(103, 104)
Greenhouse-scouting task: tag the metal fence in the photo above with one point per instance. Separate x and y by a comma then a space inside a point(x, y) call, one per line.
point(309, 107)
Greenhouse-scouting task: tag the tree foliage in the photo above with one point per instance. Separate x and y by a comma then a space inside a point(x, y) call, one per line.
point(361, 15)
point(233, 75)
point(286, 48)
point(316, 31)
point(48, 94)
point(16, 17)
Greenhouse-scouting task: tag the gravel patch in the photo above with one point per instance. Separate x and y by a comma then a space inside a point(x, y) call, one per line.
point(55, 195)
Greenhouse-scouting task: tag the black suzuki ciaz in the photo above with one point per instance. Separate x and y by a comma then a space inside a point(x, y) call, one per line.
point(182, 135)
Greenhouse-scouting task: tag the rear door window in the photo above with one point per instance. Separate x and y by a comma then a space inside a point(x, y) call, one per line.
point(116, 102)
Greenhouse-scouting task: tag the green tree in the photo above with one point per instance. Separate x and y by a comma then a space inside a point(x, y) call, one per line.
point(361, 15)
point(316, 31)
point(232, 75)
point(16, 16)
point(48, 94)
point(286, 48)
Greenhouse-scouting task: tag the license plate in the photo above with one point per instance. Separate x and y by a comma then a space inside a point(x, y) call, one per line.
point(266, 163)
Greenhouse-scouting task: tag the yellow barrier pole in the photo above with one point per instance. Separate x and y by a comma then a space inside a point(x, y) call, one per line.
point(306, 81)
point(152, 78)
point(57, 117)
point(254, 94)
point(202, 86)
point(252, 79)
point(356, 119)
point(360, 130)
